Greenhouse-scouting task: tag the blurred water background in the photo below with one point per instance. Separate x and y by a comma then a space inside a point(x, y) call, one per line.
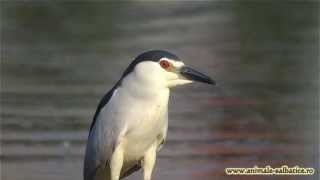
point(59, 58)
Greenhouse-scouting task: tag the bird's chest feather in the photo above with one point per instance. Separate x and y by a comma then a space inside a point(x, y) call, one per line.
point(146, 120)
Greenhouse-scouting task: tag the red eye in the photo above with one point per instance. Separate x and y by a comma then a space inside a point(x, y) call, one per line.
point(164, 64)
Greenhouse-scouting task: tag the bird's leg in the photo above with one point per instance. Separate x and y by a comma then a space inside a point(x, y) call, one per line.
point(149, 161)
point(116, 162)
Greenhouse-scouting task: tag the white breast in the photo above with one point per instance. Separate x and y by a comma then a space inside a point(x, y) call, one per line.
point(147, 121)
point(137, 115)
point(145, 131)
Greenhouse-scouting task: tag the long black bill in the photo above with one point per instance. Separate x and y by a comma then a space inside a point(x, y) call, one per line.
point(194, 75)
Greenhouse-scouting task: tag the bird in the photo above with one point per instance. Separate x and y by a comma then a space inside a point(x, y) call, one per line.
point(130, 124)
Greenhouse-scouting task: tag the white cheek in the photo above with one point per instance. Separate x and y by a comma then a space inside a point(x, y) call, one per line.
point(150, 72)
point(147, 69)
point(171, 75)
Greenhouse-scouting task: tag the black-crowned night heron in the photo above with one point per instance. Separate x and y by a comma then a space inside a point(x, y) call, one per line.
point(131, 121)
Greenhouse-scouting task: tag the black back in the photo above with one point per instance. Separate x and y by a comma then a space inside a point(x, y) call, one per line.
point(153, 55)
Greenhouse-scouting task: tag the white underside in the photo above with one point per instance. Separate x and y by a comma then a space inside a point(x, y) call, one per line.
point(137, 120)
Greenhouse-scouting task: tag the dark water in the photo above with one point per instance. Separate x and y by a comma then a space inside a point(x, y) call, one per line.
point(58, 59)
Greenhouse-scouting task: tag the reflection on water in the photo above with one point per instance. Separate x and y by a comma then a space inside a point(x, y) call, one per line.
point(58, 59)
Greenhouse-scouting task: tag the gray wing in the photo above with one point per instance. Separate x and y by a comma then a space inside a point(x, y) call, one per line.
point(93, 164)
point(99, 149)
point(106, 98)
point(95, 160)
point(95, 170)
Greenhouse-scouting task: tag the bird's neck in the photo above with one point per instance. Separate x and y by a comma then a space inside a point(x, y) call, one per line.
point(144, 89)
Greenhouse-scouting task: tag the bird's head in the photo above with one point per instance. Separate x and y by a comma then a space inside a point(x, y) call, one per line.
point(162, 69)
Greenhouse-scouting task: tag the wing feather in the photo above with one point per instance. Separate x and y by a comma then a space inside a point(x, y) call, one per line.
point(94, 163)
